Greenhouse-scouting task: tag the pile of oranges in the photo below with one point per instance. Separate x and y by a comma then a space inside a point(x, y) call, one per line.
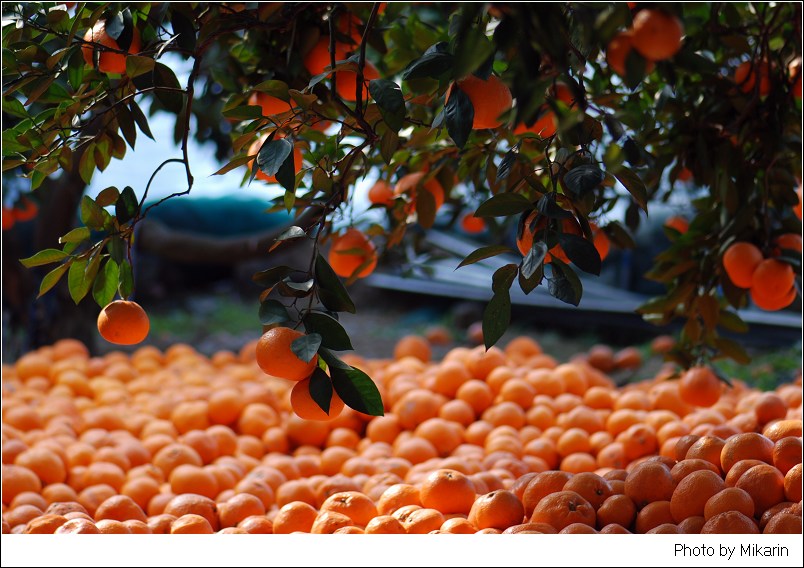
point(505, 440)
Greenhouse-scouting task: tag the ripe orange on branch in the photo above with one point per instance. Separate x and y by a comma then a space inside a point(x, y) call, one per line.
point(255, 148)
point(350, 251)
point(741, 261)
point(745, 76)
point(275, 356)
point(303, 404)
point(108, 61)
point(123, 322)
point(657, 34)
point(618, 50)
point(490, 98)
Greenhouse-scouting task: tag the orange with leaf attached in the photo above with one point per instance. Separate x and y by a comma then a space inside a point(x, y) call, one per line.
point(275, 355)
point(111, 60)
point(350, 251)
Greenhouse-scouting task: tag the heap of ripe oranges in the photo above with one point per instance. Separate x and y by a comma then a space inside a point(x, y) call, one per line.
point(500, 441)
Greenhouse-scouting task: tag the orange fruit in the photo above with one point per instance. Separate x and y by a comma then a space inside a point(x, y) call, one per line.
point(305, 407)
point(544, 126)
point(359, 508)
point(745, 77)
point(741, 260)
point(381, 193)
point(729, 499)
point(748, 445)
point(254, 149)
point(563, 508)
point(656, 34)
point(123, 322)
point(409, 184)
point(346, 82)
point(700, 386)
point(191, 524)
point(765, 484)
point(318, 58)
point(772, 280)
point(275, 357)
point(350, 251)
point(773, 304)
point(413, 346)
point(789, 241)
point(691, 494)
point(787, 454)
point(649, 482)
point(490, 98)
point(109, 61)
point(617, 53)
point(269, 104)
point(616, 509)
point(678, 223)
point(448, 491)
point(498, 509)
point(730, 522)
point(472, 224)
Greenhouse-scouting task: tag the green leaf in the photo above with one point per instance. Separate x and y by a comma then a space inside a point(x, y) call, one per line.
point(507, 163)
point(434, 63)
point(125, 284)
point(530, 283)
point(105, 286)
point(52, 278)
point(581, 252)
point(273, 312)
point(163, 76)
point(286, 176)
point(137, 65)
point(332, 360)
point(91, 214)
point(86, 164)
point(77, 281)
point(731, 321)
point(77, 235)
point(496, 317)
point(733, 350)
point(425, 207)
point(272, 276)
point(291, 233)
point(333, 335)
point(634, 185)
point(459, 114)
point(497, 314)
point(389, 144)
point(331, 290)
point(390, 100)
point(140, 119)
point(108, 196)
point(504, 205)
point(306, 346)
point(583, 179)
point(273, 154)
point(472, 50)
point(289, 288)
point(357, 390)
point(321, 389)
point(126, 206)
point(534, 260)
point(483, 253)
point(46, 256)
point(184, 30)
point(547, 206)
point(565, 284)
